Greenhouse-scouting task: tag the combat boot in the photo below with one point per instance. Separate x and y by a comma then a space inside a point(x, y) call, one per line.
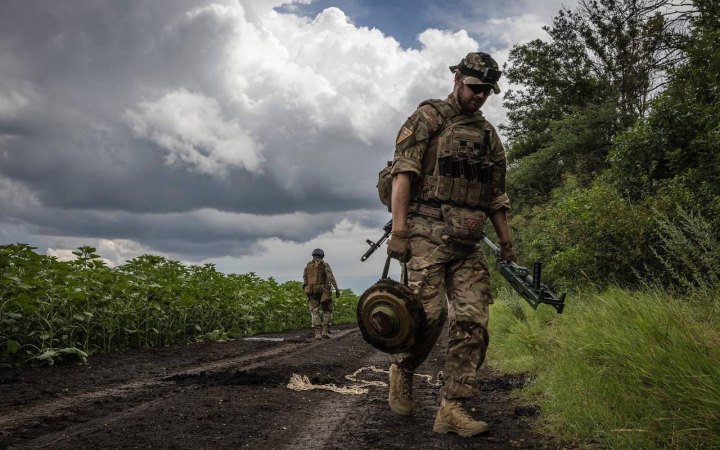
point(400, 391)
point(452, 418)
point(318, 334)
point(325, 333)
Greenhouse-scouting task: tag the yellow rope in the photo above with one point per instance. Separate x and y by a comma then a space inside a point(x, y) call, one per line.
point(302, 382)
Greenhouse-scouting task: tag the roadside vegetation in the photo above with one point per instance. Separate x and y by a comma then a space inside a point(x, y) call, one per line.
point(614, 155)
point(618, 369)
point(52, 310)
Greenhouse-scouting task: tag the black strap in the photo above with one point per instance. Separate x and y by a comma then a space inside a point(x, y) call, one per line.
point(489, 75)
point(403, 271)
point(486, 143)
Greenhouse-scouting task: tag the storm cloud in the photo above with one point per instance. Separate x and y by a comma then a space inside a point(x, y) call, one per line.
point(202, 129)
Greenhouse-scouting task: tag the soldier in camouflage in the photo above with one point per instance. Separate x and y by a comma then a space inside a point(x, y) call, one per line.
point(448, 177)
point(317, 281)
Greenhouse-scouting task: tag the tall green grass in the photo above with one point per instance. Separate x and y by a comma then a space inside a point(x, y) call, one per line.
point(619, 369)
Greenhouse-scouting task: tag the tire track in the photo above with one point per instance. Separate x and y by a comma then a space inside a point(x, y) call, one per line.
point(57, 407)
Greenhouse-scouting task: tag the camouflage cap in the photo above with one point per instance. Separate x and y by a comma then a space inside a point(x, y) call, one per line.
point(479, 68)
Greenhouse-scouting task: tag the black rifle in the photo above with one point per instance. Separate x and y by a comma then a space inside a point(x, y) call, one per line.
point(529, 286)
point(375, 245)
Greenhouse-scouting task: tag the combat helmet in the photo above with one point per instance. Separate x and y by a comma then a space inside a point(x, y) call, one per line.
point(318, 252)
point(390, 316)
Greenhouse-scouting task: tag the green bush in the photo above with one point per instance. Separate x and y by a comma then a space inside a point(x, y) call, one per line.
point(586, 236)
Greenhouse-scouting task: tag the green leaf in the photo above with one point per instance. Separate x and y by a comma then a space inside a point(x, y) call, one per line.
point(12, 347)
point(44, 336)
point(48, 355)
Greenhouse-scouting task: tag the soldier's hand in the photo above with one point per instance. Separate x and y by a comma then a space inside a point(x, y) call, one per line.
point(399, 246)
point(506, 252)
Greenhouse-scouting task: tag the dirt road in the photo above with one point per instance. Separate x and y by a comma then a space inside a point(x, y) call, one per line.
point(235, 395)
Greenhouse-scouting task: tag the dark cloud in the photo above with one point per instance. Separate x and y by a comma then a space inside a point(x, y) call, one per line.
point(199, 129)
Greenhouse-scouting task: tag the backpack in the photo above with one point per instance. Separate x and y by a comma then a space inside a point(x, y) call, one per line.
point(316, 277)
point(384, 185)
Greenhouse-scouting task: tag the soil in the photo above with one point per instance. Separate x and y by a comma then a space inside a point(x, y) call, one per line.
point(234, 395)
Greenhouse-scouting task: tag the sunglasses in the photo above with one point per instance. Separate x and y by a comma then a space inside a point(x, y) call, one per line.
point(481, 88)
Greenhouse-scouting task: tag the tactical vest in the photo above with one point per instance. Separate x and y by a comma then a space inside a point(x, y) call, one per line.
point(316, 276)
point(463, 173)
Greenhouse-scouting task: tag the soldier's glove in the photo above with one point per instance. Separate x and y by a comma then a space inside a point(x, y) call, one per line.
point(399, 246)
point(337, 293)
point(506, 252)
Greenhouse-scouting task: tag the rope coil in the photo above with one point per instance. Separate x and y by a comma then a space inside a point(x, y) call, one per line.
point(303, 383)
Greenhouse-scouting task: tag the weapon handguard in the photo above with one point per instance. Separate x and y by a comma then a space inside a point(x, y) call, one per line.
point(529, 286)
point(375, 245)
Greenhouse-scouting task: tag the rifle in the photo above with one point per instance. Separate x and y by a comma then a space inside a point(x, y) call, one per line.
point(529, 286)
point(375, 245)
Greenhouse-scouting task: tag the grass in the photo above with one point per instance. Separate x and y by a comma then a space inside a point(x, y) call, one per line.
point(619, 369)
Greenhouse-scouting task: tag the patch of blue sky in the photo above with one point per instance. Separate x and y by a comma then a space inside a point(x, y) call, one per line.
point(404, 20)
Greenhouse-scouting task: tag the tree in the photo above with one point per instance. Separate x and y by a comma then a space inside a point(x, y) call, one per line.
point(591, 80)
point(676, 148)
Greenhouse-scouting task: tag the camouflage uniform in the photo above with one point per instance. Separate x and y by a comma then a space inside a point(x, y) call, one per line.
point(320, 304)
point(441, 268)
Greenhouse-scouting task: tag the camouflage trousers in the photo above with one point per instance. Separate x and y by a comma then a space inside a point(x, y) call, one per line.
point(320, 312)
point(452, 281)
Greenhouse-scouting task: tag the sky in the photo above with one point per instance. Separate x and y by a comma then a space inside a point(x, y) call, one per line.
point(238, 133)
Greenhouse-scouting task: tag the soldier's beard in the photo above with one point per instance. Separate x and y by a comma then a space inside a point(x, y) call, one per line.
point(469, 105)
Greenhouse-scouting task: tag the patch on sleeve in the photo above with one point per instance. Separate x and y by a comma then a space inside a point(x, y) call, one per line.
point(404, 134)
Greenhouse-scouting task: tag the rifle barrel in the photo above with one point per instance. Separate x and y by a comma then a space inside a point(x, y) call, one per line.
point(375, 245)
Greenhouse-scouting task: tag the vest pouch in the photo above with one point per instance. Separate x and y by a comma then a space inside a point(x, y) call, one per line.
point(443, 189)
point(458, 180)
point(474, 190)
point(459, 190)
point(325, 296)
point(314, 289)
point(463, 225)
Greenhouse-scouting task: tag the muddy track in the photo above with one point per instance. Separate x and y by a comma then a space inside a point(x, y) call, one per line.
point(234, 395)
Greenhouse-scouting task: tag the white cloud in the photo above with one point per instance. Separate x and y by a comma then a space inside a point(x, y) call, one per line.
point(518, 29)
point(113, 252)
point(314, 97)
point(17, 97)
point(193, 131)
point(11, 103)
point(15, 195)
